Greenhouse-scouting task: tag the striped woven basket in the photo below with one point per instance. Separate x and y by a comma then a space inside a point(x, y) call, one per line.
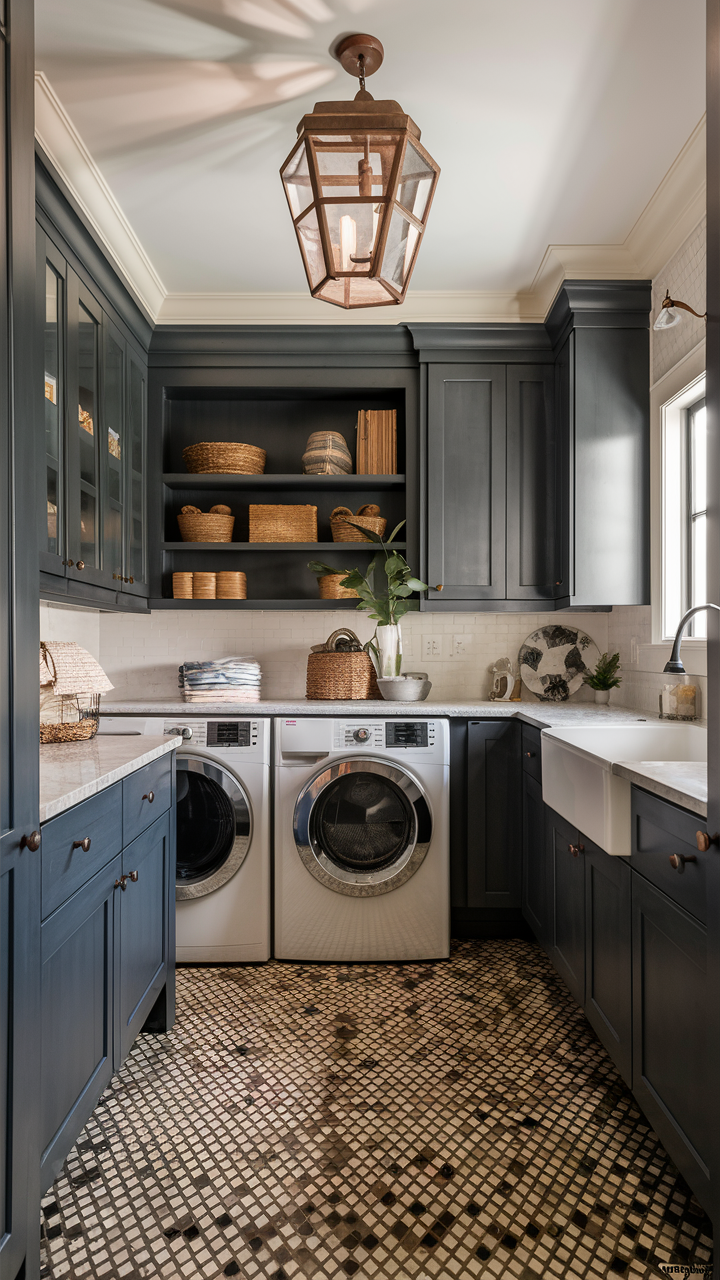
point(326, 454)
point(224, 458)
point(342, 676)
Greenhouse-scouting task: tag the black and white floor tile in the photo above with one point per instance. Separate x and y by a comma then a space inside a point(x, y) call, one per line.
point(419, 1121)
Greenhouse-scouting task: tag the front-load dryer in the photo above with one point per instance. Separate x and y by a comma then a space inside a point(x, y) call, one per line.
point(362, 868)
point(223, 833)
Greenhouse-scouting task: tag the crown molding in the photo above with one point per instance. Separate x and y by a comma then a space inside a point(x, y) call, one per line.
point(671, 214)
point(68, 154)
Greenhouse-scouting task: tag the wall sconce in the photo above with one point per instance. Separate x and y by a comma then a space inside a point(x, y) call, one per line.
point(669, 314)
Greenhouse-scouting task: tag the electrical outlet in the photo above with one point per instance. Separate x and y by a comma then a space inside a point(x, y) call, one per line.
point(462, 646)
point(432, 647)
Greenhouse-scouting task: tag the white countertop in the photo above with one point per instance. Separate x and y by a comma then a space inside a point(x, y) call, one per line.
point(684, 782)
point(72, 771)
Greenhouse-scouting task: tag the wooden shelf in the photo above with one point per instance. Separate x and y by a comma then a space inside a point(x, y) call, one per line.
point(182, 480)
point(312, 603)
point(277, 546)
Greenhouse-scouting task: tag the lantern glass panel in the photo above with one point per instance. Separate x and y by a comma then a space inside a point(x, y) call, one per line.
point(353, 230)
point(355, 291)
point(399, 249)
point(415, 184)
point(309, 237)
point(346, 172)
point(296, 177)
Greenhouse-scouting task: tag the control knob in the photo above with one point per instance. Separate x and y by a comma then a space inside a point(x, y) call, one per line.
point(362, 735)
point(180, 731)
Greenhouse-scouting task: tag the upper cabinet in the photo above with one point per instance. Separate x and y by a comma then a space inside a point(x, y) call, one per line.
point(93, 521)
point(537, 455)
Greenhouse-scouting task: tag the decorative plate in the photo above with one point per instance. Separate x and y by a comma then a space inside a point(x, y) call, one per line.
point(554, 660)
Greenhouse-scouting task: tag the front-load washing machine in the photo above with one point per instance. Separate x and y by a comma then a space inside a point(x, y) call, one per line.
point(223, 833)
point(362, 868)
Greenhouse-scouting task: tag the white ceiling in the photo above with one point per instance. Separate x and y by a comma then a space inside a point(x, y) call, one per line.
point(547, 117)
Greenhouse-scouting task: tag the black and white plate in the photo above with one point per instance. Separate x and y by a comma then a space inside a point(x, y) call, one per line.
point(554, 660)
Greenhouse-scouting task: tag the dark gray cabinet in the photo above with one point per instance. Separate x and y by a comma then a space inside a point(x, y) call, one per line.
point(93, 525)
point(608, 954)
point(565, 850)
point(108, 947)
point(672, 1080)
point(536, 550)
point(494, 830)
point(536, 889)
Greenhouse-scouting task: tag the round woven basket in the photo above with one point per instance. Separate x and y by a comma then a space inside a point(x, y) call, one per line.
point(206, 528)
point(204, 586)
point(231, 585)
point(80, 731)
point(342, 676)
point(282, 523)
point(224, 458)
point(344, 532)
point(326, 453)
point(330, 588)
point(182, 586)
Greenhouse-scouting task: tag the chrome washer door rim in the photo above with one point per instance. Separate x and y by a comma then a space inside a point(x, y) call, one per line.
point(356, 884)
point(211, 768)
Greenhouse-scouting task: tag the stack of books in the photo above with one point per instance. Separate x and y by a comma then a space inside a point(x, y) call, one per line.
point(221, 680)
point(376, 442)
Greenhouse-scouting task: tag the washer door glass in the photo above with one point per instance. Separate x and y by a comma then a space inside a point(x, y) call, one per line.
point(213, 826)
point(362, 826)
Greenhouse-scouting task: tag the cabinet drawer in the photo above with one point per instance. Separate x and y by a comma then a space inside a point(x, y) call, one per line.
point(531, 752)
point(139, 809)
point(66, 866)
point(661, 831)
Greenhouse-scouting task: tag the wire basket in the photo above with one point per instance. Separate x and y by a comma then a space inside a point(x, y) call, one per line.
point(68, 717)
point(224, 458)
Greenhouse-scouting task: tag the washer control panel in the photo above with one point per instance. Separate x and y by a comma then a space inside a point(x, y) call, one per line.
point(383, 735)
point(409, 733)
point(215, 733)
point(351, 733)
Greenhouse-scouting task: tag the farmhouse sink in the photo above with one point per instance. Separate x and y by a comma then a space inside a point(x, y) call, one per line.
point(578, 779)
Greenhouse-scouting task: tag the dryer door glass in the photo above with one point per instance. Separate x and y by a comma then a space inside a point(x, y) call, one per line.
point(363, 822)
point(206, 827)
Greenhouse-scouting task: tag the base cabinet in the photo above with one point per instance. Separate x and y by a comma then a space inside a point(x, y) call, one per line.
point(145, 930)
point(608, 954)
point(567, 903)
point(536, 896)
point(672, 1080)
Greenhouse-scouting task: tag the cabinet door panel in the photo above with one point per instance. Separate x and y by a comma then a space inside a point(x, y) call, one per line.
point(113, 446)
point(77, 1014)
point(494, 833)
point(536, 890)
point(51, 290)
point(144, 929)
point(608, 954)
point(135, 477)
point(671, 1070)
point(534, 478)
point(567, 882)
point(466, 481)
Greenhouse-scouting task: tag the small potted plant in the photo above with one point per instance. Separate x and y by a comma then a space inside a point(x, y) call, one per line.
point(387, 603)
point(605, 677)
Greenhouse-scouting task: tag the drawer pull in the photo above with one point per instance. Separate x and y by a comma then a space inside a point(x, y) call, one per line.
point(150, 796)
point(31, 842)
point(134, 875)
point(678, 860)
point(575, 849)
point(121, 883)
point(703, 841)
point(531, 754)
point(82, 844)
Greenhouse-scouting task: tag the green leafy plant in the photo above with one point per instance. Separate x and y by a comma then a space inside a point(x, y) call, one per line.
point(605, 675)
point(386, 601)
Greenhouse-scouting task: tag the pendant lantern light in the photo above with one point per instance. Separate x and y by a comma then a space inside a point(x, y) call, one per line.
point(359, 186)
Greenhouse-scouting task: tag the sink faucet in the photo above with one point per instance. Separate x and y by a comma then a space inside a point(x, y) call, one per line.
point(675, 665)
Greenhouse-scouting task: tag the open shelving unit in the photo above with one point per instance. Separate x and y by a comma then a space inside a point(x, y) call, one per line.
point(278, 419)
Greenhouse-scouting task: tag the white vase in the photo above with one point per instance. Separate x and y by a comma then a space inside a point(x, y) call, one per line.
point(602, 696)
point(389, 645)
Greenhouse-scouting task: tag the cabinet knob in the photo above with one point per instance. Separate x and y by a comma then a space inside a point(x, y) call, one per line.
point(531, 754)
point(70, 562)
point(31, 842)
point(134, 876)
point(150, 796)
point(131, 580)
point(678, 860)
point(703, 841)
point(439, 587)
point(121, 883)
point(576, 849)
point(80, 564)
point(82, 844)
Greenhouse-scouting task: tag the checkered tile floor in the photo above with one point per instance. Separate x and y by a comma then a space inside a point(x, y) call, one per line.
point(454, 1119)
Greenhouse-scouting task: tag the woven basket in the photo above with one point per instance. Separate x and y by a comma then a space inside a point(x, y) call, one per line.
point(283, 523)
point(344, 532)
point(341, 676)
point(204, 586)
point(225, 458)
point(326, 454)
point(330, 588)
point(206, 528)
point(182, 586)
point(64, 719)
point(231, 586)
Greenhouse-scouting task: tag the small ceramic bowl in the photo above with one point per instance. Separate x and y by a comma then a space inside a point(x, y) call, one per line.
point(404, 688)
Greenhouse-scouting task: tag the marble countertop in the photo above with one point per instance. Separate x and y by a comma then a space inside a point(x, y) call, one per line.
point(684, 782)
point(72, 771)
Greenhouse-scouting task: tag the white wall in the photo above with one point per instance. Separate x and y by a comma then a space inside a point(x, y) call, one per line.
point(141, 654)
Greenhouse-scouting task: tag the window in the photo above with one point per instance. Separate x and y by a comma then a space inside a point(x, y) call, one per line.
point(684, 510)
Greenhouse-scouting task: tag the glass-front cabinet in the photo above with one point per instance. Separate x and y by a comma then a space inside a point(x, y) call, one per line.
point(93, 515)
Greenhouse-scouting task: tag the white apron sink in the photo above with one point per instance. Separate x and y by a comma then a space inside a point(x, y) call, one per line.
point(578, 779)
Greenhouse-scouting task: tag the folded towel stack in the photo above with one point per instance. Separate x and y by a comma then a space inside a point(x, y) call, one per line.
point(222, 680)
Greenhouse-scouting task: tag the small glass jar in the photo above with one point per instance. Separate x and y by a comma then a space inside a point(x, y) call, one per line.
point(679, 701)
